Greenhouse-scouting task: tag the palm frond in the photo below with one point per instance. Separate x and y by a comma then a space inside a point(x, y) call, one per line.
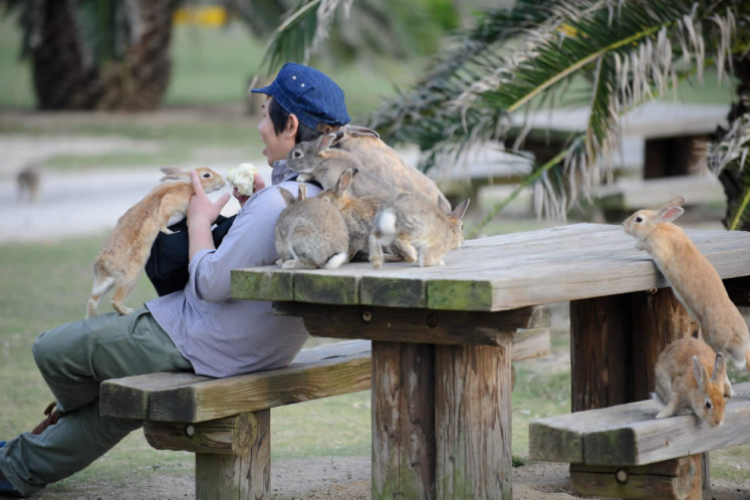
point(390, 27)
point(631, 51)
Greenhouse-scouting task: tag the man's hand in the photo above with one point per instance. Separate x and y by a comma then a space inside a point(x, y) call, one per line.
point(202, 212)
point(258, 184)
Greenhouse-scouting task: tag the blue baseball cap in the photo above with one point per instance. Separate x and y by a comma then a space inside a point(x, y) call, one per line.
point(309, 94)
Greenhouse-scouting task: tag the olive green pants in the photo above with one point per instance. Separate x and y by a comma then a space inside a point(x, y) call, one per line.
point(74, 359)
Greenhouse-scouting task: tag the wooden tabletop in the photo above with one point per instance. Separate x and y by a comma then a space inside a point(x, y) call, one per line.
point(497, 273)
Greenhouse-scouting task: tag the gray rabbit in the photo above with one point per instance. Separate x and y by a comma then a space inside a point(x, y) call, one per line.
point(310, 233)
point(358, 214)
point(419, 230)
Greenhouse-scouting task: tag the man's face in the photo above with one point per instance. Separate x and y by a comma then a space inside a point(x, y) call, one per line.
point(277, 146)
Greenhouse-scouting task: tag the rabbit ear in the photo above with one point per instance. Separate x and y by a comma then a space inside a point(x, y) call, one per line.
point(302, 191)
point(345, 181)
point(443, 205)
point(172, 174)
point(677, 201)
point(356, 131)
point(668, 214)
point(329, 140)
point(719, 368)
point(698, 372)
point(288, 197)
point(460, 210)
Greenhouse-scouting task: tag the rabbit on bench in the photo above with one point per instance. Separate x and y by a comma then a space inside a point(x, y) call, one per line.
point(695, 282)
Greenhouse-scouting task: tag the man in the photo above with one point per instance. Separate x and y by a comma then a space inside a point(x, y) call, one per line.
point(199, 328)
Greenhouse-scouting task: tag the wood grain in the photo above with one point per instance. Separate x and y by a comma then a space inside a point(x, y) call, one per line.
point(630, 435)
point(403, 430)
point(226, 436)
point(232, 477)
point(600, 332)
point(473, 422)
point(678, 479)
point(323, 371)
point(128, 397)
point(417, 325)
point(504, 272)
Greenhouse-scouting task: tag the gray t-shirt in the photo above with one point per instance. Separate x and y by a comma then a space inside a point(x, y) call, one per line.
point(220, 336)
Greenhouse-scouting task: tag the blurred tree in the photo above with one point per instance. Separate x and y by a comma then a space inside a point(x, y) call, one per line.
point(114, 54)
point(97, 54)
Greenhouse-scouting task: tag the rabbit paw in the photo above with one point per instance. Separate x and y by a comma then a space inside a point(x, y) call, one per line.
point(665, 413)
point(304, 178)
point(121, 308)
point(280, 262)
point(166, 230)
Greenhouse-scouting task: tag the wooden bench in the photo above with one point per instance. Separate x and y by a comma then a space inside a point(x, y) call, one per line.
point(624, 452)
point(226, 422)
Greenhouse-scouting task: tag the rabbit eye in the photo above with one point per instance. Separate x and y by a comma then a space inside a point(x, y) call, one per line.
point(708, 405)
point(298, 154)
point(206, 175)
point(639, 219)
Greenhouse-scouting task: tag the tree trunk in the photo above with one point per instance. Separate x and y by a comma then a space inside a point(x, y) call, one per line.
point(67, 77)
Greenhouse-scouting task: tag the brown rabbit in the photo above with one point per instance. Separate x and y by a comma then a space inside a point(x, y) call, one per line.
point(28, 182)
point(123, 255)
point(310, 233)
point(695, 282)
point(690, 379)
point(419, 230)
point(358, 213)
point(384, 163)
point(317, 160)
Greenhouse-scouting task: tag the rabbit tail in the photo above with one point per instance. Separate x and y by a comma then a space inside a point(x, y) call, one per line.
point(336, 261)
point(101, 286)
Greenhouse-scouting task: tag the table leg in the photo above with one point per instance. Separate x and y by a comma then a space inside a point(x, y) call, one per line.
point(403, 430)
point(441, 421)
point(615, 342)
point(473, 422)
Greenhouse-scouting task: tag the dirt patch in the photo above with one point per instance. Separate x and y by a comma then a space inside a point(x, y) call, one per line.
point(348, 478)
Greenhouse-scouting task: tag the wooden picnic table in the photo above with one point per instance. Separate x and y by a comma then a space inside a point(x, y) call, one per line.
point(441, 411)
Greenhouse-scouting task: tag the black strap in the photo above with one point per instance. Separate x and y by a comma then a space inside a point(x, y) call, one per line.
point(167, 267)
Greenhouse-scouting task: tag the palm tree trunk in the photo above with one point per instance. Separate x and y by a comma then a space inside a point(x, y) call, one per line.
point(731, 178)
point(65, 79)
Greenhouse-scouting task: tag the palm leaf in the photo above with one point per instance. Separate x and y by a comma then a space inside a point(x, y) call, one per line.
point(731, 152)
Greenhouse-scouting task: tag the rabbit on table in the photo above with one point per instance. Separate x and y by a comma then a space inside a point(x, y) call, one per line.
point(419, 230)
point(310, 233)
point(125, 252)
point(695, 282)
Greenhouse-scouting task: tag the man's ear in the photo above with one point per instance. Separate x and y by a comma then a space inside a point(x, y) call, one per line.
point(292, 124)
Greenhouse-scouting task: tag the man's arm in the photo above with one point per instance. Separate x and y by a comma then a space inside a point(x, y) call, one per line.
point(249, 243)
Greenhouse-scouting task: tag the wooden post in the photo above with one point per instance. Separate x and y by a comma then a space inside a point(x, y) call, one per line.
point(473, 422)
point(244, 476)
point(403, 431)
point(615, 342)
point(599, 335)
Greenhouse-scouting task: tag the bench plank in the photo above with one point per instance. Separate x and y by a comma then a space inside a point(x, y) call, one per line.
point(630, 435)
point(128, 397)
point(319, 372)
